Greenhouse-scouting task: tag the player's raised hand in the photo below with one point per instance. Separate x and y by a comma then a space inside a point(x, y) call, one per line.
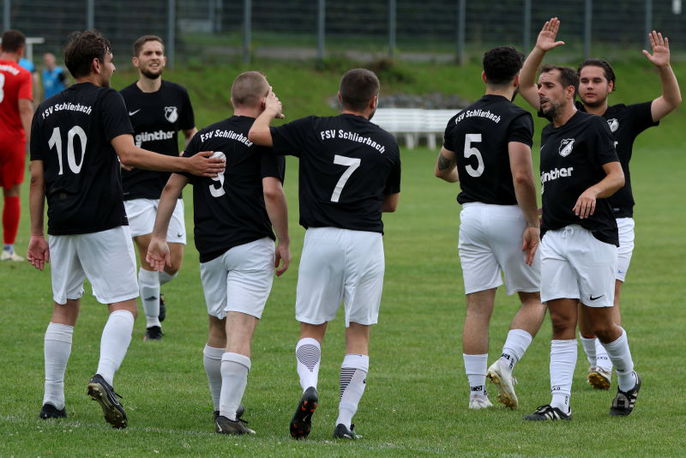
point(272, 105)
point(158, 254)
point(548, 34)
point(660, 47)
point(531, 238)
point(203, 165)
point(585, 204)
point(282, 255)
point(39, 252)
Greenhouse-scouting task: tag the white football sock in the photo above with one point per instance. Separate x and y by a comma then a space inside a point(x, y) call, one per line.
point(57, 348)
point(235, 368)
point(602, 358)
point(149, 287)
point(475, 367)
point(353, 380)
point(589, 346)
point(308, 354)
point(212, 361)
point(115, 340)
point(619, 353)
point(563, 355)
point(518, 340)
point(165, 277)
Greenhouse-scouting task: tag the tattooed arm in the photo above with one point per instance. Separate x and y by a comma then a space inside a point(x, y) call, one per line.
point(446, 166)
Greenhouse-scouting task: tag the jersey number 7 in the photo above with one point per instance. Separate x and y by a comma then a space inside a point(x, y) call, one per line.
point(352, 163)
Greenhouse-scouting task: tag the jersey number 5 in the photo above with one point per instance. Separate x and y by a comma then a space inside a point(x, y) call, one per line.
point(470, 151)
point(56, 141)
point(352, 163)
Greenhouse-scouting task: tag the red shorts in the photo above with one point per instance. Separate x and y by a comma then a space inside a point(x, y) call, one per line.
point(12, 163)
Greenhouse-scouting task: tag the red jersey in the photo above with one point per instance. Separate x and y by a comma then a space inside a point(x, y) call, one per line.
point(15, 84)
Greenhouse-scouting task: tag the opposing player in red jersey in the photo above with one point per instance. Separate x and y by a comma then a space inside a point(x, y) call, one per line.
point(16, 110)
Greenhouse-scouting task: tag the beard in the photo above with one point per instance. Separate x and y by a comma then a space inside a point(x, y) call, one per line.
point(550, 112)
point(371, 115)
point(150, 75)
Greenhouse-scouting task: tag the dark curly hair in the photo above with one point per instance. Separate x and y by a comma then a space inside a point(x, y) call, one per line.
point(501, 64)
point(83, 47)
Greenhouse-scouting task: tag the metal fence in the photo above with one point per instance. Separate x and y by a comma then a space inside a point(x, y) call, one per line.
point(216, 30)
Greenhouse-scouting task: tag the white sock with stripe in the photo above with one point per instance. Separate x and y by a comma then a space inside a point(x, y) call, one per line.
point(308, 354)
point(353, 380)
point(149, 287)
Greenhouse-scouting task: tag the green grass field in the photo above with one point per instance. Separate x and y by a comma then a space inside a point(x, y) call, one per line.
point(416, 398)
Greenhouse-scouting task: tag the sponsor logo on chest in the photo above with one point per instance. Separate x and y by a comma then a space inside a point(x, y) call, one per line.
point(613, 123)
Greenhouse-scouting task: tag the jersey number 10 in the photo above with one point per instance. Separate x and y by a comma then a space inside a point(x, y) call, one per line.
point(56, 141)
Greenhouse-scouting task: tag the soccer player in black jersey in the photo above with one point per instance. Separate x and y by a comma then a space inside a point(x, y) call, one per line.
point(626, 122)
point(487, 148)
point(79, 137)
point(234, 214)
point(158, 109)
point(349, 175)
point(579, 171)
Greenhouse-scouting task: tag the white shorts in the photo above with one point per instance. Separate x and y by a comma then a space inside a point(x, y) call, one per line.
point(626, 246)
point(576, 265)
point(490, 244)
point(106, 258)
point(340, 265)
point(142, 212)
point(240, 280)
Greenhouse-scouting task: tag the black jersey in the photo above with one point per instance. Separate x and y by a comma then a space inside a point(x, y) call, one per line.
point(572, 159)
point(229, 209)
point(479, 137)
point(156, 118)
point(347, 166)
point(626, 122)
point(71, 134)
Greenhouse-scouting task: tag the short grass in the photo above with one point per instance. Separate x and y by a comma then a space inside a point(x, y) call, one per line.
point(416, 398)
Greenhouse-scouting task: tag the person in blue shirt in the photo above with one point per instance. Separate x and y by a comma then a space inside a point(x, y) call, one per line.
point(53, 76)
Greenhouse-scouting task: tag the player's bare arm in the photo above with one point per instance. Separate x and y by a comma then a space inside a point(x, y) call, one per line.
point(446, 166)
point(26, 115)
point(670, 98)
point(188, 134)
point(158, 255)
point(259, 132)
point(527, 76)
point(390, 202)
point(521, 166)
point(38, 251)
point(275, 203)
point(199, 164)
point(613, 182)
